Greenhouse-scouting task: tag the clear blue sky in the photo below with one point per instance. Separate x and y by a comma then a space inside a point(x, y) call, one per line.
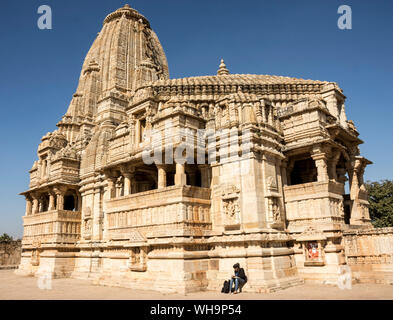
point(40, 68)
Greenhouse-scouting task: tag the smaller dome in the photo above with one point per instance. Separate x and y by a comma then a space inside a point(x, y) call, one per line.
point(222, 70)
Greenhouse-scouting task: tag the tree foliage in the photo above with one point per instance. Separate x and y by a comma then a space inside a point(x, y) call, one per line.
point(6, 237)
point(381, 203)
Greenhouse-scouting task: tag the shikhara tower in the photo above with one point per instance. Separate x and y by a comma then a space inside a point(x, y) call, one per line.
point(95, 210)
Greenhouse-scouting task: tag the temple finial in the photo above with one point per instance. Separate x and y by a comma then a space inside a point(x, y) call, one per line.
point(222, 70)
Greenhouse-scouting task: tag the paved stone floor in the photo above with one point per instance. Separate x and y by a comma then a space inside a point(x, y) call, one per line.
point(18, 287)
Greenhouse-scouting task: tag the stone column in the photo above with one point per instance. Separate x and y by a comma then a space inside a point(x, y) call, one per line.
point(127, 183)
point(356, 168)
point(35, 204)
point(180, 176)
point(111, 188)
point(320, 163)
point(263, 109)
point(51, 202)
point(79, 202)
point(161, 176)
point(333, 166)
point(271, 116)
point(205, 175)
point(320, 158)
point(43, 169)
point(60, 192)
point(28, 205)
point(361, 175)
point(119, 184)
point(60, 201)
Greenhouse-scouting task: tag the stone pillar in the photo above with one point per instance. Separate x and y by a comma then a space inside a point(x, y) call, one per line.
point(180, 176)
point(320, 163)
point(79, 202)
point(128, 175)
point(354, 181)
point(111, 188)
point(43, 168)
point(271, 116)
point(263, 109)
point(320, 158)
point(361, 175)
point(205, 175)
point(333, 166)
point(119, 184)
point(35, 204)
point(127, 183)
point(60, 192)
point(60, 201)
point(161, 176)
point(28, 206)
point(51, 202)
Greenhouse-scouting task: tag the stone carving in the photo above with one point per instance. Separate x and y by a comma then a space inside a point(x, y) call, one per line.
point(88, 227)
point(230, 204)
point(35, 258)
point(271, 183)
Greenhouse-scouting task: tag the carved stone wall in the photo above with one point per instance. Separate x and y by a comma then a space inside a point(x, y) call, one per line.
point(369, 254)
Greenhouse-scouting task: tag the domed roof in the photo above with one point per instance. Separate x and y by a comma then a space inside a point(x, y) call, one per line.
point(125, 42)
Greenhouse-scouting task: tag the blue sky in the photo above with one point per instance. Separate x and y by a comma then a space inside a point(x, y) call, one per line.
point(40, 68)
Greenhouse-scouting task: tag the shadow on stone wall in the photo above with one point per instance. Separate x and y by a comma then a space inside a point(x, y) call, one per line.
point(10, 254)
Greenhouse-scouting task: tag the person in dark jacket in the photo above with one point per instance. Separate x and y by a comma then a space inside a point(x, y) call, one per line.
point(239, 279)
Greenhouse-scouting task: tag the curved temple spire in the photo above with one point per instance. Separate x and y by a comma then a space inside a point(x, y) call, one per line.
point(125, 54)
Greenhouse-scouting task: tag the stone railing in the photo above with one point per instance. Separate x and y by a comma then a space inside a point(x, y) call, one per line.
point(167, 208)
point(318, 201)
point(369, 254)
point(52, 226)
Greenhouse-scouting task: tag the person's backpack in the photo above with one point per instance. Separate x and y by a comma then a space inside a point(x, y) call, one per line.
point(225, 287)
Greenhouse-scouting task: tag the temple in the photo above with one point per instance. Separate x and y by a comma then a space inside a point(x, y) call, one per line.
point(272, 177)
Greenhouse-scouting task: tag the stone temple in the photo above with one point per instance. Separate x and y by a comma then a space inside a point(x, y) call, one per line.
point(262, 184)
